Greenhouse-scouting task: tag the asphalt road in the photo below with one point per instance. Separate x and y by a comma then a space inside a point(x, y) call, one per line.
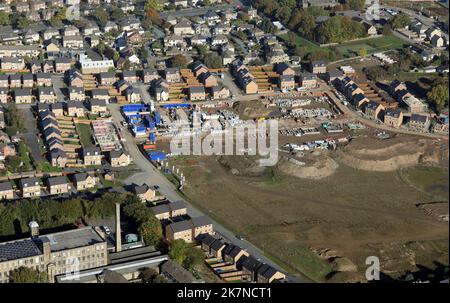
point(153, 176)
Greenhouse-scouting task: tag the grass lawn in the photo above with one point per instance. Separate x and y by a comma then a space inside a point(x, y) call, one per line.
point(350, 49)
point(433, 180)
point(373, 45)
point(46, 167)
point(84, 131)
point(24, 154)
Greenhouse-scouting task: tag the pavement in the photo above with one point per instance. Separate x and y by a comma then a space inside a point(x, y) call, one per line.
point(153, 176)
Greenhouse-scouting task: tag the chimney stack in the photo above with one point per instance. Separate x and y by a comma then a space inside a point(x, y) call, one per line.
point(118, 229)
point(34, 228)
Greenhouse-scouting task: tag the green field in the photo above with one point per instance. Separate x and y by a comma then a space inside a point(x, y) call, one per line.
point(350, 49)
point(372, 45)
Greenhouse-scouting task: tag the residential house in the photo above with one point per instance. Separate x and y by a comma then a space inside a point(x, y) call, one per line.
point(48, 66)
point(232, 253)
point(166, 211)
point(286, 82)
point(211, 245)
point(27, 80)
point(23, 95)
point(207, 79)
point(98, 106)
point(437, 41)
point(58, 158)
point(30, 187)
point(249, 86)
point(76, 93)
point(58, 109)
point(102, 94)
point(71, 30)
point(92, 156)
point(107, 78)
point(119, 158)
point(197, 93)
point(75, 78)
point(419, 122)
point(83, 181)
point(201, 225)
point(6, 191)
point(75, 109)
point(393, 117)
point(318, 67)
point(46, 95)
point(4, 80)
point(43, 79)
point(172, 74)
point(149, 74)
point(73, 42)
point(284, 69)
point(133, 94)
point(12, 63)
point(268, 274)
point(183, 28)
point(308, 80)
point(220, 92)
point(4, 94)
point(130, 76)
point(58, 185)
point(374, 110)
point(15, 81)
point(144, 192)
point(62, 64)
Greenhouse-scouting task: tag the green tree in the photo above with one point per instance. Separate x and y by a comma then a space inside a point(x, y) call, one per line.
point(151, 231)
point(22, 23)
point(357, 5)
point(153, 4)
point(14, 119)
point(179, 61)
point(101, 16)
point(213, 60)
point(4, 18)
point(117, 14)
point(27, 275)
point(194, 258)
point(160, 279)
point(13, 163)
point(178, 251)
point(202, 50)
point(400, 20)
point(362, 52)
point(148, 274)
point(438, 96)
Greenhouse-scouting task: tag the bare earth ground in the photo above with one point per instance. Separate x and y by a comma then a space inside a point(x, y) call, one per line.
point(325, 225)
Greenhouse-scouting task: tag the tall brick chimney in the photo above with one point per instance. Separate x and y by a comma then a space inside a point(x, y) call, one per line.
point(118, 229)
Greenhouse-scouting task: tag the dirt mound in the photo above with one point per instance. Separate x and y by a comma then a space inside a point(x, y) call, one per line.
point(389, 158)
point(242, 165)
point(251, 109)
point(319, 168)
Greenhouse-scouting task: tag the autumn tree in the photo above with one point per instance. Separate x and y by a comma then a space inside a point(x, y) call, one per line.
point(27, 275)
point(438, 96)
point(179, 61)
